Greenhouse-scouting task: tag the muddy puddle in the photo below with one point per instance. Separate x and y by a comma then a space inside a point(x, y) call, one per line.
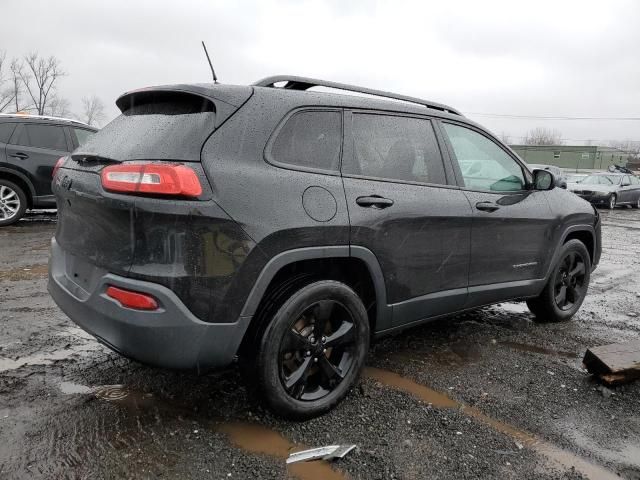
point(28, 272)
point(249, 437)
point(556, 456)
point(47, 358)
point(261, 440)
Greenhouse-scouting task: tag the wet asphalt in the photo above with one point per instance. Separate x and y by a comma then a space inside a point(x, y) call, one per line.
point(487, 394)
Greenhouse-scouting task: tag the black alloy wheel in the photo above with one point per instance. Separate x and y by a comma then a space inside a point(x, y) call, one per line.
point(312, 350)
point(567, 285)
point(570, 280)
point(317, 351)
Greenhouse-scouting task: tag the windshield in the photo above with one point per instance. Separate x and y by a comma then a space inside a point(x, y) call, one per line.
point(597, 180)
point(615, 179)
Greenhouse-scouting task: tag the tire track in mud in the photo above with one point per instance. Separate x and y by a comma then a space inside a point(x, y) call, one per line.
point(557, 456)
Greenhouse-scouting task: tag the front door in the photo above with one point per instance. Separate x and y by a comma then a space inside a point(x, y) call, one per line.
point(512, 224)
point(402, 208)
point(34, 150)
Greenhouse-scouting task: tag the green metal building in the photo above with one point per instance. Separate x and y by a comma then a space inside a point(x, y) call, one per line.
point(572, 157)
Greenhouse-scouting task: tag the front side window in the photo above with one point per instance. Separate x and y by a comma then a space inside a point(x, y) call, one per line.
point(635, 181)
point(396, 148)
point(484, 165)
point(310, 139)
point(40, 136)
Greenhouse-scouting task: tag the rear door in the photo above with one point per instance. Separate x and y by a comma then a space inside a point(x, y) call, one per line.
point(403, 208)
point(626, 190)
point(511, 224)
point(34, 149)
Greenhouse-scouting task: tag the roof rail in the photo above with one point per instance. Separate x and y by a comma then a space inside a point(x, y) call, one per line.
point(44, 117)
point(304, 83)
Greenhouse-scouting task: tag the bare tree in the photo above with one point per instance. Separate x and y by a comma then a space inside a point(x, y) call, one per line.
point(17, 73)
point(58, 107)
point(93, 110)
point(543, 136)
point(6, 96)
point(39, 77)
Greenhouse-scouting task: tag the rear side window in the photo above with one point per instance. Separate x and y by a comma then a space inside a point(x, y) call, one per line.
point(395, 147)
point(40, 136)
point(6, 129)
point(484, 165)
point(166, 126)
point(82, 135)
point(310, 139)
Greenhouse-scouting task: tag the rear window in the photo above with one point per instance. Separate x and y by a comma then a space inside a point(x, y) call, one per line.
point(310, 139)
point(40, 136)
point(165, 127)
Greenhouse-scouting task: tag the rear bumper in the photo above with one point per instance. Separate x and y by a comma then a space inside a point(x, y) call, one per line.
point(170, 337)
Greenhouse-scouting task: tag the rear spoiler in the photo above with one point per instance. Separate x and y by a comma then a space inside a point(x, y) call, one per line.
point(225, 98)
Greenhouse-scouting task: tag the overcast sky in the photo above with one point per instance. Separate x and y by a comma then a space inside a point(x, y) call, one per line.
point(531, 58)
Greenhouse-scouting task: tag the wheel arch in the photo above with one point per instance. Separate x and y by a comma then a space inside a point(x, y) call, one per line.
point(585, 233)
point(21, 180)
point(356, 266)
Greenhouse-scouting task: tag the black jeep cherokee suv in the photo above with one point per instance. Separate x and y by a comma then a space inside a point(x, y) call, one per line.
point(285, 228)
point(30, 146)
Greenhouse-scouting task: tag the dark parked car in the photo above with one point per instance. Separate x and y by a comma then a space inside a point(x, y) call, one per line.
point(609, 189)
point(285, 228)
point(30, 146)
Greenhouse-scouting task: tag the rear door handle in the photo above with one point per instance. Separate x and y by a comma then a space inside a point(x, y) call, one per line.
point(374, 201)
point(487, 206)
point(20, 155)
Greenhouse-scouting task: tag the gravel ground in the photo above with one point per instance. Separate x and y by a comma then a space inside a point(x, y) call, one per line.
point(487, 394)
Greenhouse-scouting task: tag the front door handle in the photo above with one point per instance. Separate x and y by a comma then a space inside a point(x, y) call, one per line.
point(374, 201)
point(20, 155)
point(487, 206)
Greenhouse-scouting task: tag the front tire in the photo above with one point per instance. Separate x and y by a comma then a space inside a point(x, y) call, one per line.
point(611, 203)
point(567, 286)
point(637, 204)
point(313, 350)
point(13, 203)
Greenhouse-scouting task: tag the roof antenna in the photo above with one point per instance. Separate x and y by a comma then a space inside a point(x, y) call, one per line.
point(213, 72)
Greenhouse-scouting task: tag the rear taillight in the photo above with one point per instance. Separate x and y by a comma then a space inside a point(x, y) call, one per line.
point(59, 163)
point(152, 178)
point(131, 299)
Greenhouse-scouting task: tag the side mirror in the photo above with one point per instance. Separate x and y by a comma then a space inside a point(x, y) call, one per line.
point(543, 180)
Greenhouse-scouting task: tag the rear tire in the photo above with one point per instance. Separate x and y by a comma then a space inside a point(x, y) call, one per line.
point(567, 286)
point(313, 350)
point(13, 202)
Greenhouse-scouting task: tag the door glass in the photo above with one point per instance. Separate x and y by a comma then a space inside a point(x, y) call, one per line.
point(310, 139)
point(484, 165)
point(82, 135)
point(41, 136)
point(394, 147)
point(635, 181)
point(5, 131)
